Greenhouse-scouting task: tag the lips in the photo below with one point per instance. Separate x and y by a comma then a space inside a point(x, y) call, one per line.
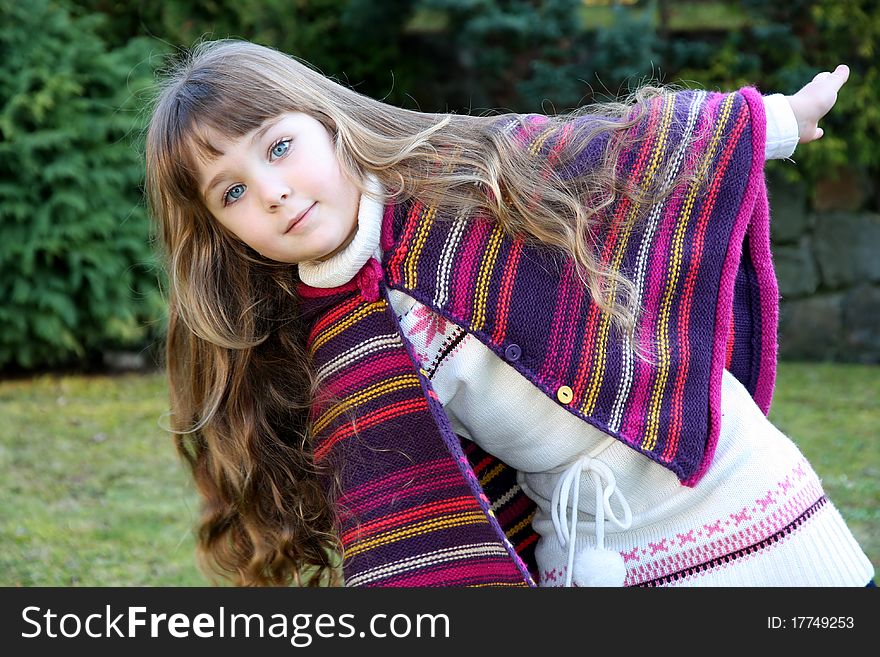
point(293, 222)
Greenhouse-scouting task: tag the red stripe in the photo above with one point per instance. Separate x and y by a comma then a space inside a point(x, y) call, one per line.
point(369, 420)
point(438, 468)
point(483, 463)
point(505, 293)
point(410, 516)
point(518, 509)
point(409, 230)
point(467, 266)
point(526, 542)
point(731, 340)
point(334, 315)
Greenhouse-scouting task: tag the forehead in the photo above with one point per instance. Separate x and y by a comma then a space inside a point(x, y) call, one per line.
point(212, 146)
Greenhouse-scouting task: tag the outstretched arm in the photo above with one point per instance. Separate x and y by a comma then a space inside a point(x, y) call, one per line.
point(814, 100)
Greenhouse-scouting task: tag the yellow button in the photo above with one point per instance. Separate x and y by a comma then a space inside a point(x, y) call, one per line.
point(564, 394)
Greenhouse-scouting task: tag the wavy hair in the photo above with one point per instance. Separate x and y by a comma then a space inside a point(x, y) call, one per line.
point(238, 371)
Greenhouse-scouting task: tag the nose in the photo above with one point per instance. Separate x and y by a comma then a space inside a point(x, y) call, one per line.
point(275, 193)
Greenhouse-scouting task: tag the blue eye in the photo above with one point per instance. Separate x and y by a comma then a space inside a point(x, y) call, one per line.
point(233, 194)
point(279, 149)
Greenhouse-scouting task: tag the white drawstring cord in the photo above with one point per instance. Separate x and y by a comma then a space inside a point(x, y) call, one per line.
point(567, 492)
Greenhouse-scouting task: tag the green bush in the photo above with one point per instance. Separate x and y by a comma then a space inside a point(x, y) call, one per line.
point(77, 273)
point(779, 47)
point(359, 42)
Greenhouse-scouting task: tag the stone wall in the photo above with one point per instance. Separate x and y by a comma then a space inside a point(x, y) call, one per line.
point(826, 250)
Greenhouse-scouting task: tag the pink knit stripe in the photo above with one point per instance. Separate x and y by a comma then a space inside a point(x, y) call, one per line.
point(762, 262)
point(558, 324)
point(696, 259)
point(386, 241)
point(310, 292)
point(467, 265)
point(506, 292)
point(480, 572)
point(753, 210)
point(368, 420)
point(372, 369)
point(427, 470)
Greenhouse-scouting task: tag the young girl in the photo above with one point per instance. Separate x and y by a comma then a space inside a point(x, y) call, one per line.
point(481, 350)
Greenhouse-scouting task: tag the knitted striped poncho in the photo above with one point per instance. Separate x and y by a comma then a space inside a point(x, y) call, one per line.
point(420, 507)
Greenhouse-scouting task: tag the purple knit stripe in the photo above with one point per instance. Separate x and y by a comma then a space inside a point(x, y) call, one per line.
point(696, 405)
point(744, 355)
point(439, 468)
point(466, 266)
point(375, 367)
point(579, 300)
point(558, 326)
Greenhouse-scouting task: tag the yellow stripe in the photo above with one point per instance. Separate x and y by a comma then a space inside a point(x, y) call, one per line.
point(539, 141)
point(597, 378)
point(485, 275)
point(520, 525)
point(348, 320)
point(422, 229)
point(370, 392)
point(424, 527)
point(494, 584)
point(489, 476)
point(649, 442)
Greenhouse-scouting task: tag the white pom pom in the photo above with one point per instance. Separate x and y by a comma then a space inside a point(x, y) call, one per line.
point(598, 568)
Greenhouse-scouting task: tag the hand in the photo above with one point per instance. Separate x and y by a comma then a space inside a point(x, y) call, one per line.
point(814, 101)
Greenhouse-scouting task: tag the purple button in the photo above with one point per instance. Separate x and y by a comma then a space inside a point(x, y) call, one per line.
point(513, 352)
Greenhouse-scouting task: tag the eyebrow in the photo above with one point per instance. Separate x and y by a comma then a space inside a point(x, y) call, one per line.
point(267, 126)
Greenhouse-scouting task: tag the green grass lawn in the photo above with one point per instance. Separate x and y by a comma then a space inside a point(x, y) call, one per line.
point(93, 493)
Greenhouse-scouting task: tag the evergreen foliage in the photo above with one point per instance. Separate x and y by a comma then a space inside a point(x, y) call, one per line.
point(76, 267)
point(779, 48)
point(359, 42)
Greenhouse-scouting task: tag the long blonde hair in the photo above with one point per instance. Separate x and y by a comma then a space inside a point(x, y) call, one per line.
point(238, 371)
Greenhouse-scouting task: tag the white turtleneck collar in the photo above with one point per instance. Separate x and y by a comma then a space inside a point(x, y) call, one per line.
point(342, 267)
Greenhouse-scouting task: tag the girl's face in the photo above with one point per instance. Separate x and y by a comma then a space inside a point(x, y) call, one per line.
point(281, 191)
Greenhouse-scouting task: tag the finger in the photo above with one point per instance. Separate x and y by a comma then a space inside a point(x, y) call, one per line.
point(821, 76)
point(839, 77)
point(819, 133)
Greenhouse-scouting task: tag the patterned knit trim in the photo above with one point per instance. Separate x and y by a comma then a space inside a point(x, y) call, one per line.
point(731, 557)
point(775, 512)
